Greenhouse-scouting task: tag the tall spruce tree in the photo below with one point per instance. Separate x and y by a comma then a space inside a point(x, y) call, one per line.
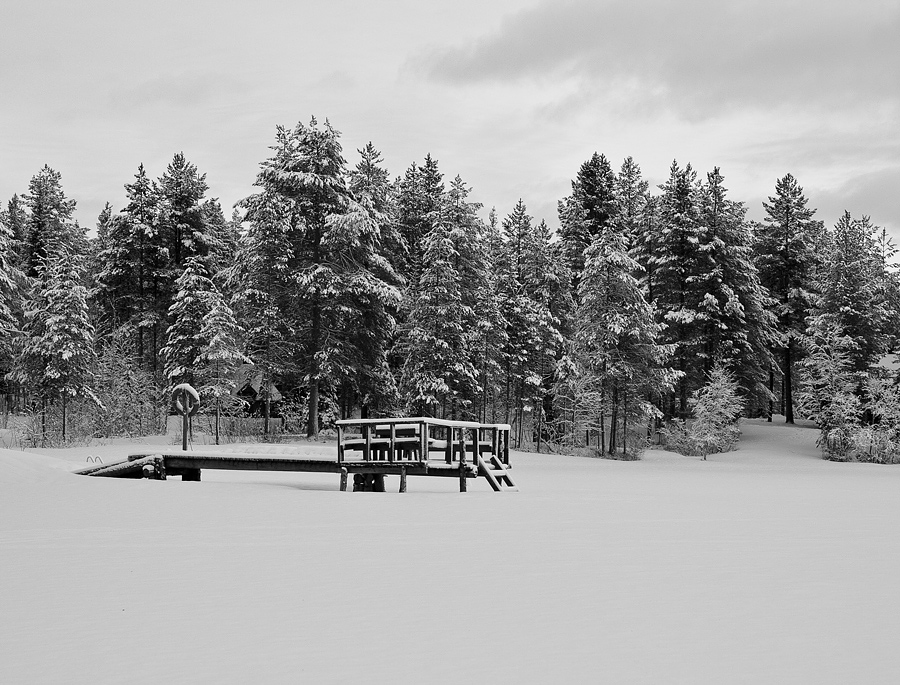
point(15, 218)
point(338, 269)
point(631, 197)
point(184, 341)
point(49, 220)
point(587, 211)
point(262, 282)
point(58, 347)
point(133, 270)
point(678, 295)
point(436, 371)
point(526, 272)
point(615, 343)
point(11, 281)
point(480, 306)
point(852, 291)
point(787, 245)
point(419, 200)
point(738, 325)
point(219, 357)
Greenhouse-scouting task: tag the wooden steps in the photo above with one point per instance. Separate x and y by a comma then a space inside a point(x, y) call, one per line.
point(496, 474)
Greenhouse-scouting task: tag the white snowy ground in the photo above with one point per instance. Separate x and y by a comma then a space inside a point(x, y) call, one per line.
point(765, 565)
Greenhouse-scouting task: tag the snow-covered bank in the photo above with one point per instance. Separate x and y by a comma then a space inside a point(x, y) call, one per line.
point(761, 565)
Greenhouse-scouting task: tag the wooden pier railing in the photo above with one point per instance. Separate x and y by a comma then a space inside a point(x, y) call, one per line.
point(421, 439)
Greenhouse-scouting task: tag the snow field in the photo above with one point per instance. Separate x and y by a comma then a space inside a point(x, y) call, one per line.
point(761, 565)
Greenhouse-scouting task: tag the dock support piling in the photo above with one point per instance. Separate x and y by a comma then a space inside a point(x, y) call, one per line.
point(344, 480)
point(403, 480)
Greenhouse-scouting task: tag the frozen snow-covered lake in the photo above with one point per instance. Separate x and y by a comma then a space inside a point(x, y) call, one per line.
point(765, 565)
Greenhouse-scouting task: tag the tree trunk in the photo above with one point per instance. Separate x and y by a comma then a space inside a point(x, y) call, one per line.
point(602, 424)
point(312, 429)
point(772, 393)
point(218, 411)
point(788, 393)
point(613, 418)
point(43, 420)
point(64, 418)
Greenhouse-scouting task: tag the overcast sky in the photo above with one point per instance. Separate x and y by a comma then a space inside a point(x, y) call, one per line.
point(512, 96)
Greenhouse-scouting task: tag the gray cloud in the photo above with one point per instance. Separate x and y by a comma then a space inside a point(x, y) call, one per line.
point(872, 146)
point(700, 57)
point(873, 194)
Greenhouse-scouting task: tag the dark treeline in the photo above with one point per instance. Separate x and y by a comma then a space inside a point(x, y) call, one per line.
point(349, 291)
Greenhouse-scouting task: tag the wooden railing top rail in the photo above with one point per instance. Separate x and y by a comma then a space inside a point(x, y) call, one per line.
point(421, 419)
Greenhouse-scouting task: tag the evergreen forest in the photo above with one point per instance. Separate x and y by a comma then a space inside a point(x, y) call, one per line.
point(337, 289)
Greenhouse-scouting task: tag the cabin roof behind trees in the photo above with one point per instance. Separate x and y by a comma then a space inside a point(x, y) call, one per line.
point(248, 381)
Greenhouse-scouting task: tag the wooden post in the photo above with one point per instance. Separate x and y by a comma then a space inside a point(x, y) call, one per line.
point(343, 479)
point(423, 441)
point(340, 441)
point(448, 453)
point(367, 449)
point(185, 429)
point(403, 479)
point(393, 444)
point(462, 459)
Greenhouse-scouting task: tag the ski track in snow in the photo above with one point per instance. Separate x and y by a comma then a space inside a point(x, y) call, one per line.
point(763, 565)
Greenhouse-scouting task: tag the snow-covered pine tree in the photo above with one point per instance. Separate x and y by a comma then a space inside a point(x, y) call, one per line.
point(739, 326)
point(547, 281)
point(587, 211)
point(437, 372)
point(220, 356)
point(338, 268)
point(58, 346)
point(677, 293)
point(133, 270)
point(49, 220)
point(11, 281)
point(829, 389)
point(419, 199)
point(527, 275)
point(184, 336)
point(360, 311)
point(787, 245)
point(132, 401)
point(491, 339)
point(644, 251)
point(482, 320)
point(223, 235)
point(15, 218)
point(718, 409)
point(615, 342)
point(183, 221)
point(851, 290)
point(631, 197)
point(262, 282)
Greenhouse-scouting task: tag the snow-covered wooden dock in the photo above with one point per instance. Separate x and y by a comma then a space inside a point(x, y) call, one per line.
point(419, 446)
